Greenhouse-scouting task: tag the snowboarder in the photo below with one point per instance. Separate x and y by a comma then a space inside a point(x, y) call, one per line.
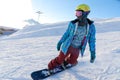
point(79, 32)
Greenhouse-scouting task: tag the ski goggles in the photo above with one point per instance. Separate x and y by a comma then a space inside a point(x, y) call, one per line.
point(79, 13)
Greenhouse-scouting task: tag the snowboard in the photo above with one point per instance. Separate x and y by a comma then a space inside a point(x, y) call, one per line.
point(44, 73)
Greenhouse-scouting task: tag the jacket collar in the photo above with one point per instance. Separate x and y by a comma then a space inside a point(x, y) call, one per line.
point(88, 20)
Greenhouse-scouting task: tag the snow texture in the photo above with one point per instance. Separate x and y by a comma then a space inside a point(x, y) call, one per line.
point(31, 49)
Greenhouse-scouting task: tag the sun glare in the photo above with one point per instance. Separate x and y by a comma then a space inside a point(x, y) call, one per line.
point(14, 12)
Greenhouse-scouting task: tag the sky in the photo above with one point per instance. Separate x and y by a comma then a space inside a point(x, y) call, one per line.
point(64, 10)
point(13, 13)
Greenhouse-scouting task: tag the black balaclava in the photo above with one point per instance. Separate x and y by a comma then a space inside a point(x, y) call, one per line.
point(82, 20)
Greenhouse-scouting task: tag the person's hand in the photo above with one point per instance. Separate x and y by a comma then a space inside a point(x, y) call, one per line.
point(93, 56)
point(59, 45)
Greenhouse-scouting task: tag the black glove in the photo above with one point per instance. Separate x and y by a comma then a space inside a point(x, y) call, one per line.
point(93, 56)
point(59, 45)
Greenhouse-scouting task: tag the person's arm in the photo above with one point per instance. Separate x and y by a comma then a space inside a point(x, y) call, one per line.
point(92, 40)
point(66, 34)
point(64, 37)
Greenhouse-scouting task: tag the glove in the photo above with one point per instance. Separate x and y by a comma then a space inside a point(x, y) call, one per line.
point(93, 56)
point(59, 45)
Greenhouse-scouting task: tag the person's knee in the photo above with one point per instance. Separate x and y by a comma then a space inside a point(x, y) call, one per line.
point(73, 59)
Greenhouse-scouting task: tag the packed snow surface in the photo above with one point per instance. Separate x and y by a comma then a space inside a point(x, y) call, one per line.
point(31, 49)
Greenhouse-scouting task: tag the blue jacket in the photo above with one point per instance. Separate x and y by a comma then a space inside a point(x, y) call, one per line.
point(67, 37)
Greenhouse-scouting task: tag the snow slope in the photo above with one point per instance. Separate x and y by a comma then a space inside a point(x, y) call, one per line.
point(31, 49)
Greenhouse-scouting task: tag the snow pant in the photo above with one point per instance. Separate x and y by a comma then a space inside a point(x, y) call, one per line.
point(70, 57)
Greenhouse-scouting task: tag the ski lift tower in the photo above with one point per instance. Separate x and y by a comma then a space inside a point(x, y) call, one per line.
point(39, 12)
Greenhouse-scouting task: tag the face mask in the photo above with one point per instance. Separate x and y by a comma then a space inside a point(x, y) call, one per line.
point(78, 13)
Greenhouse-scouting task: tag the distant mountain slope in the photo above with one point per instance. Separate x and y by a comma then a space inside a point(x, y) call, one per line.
point(58, 29)
point(7, 30)
point(107, 25)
